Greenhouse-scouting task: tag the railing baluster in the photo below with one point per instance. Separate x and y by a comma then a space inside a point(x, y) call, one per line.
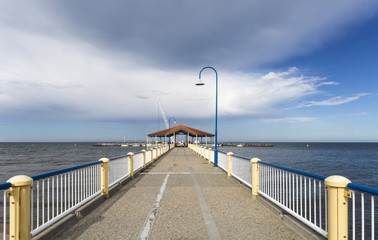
point(362, 216)
point(372, 216)
point(353, 215)
point(37, 183)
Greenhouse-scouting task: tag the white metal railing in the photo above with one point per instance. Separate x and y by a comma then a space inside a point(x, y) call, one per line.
point(148, 156)
point(4, 213)
point(363, 213)
point(223, 161)
point(118, 169)
point(56, 194)
point(303, 195)
point(138, 162)
point(242, 170)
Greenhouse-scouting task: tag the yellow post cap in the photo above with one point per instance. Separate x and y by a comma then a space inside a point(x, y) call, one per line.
point(106, 160)
point(130, 153)
point(336, 181)
point(20, 180)
point(209, 148)
point(254, 160)
point(143, 150)
point(230, 153)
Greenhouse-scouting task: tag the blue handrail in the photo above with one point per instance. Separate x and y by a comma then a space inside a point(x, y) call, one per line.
point(363, 188)
point(49, 174)
point(320, 177)
point(5, 186)
point(114, 158)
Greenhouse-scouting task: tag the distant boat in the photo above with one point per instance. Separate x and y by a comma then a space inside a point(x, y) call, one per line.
point(123, 145)
point(239, 145)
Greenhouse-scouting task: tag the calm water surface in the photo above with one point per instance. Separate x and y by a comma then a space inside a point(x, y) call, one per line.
point(36, 158)
point(356, 161)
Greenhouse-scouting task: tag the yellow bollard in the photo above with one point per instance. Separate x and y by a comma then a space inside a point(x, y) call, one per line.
point(144, 158)
point(337, 207)
point(255, 176)
point(19, 207)
point(152, 155)
point(209, 155)
point(105, 176)
point(131, 163)
point(229, 154)
point(157, 155)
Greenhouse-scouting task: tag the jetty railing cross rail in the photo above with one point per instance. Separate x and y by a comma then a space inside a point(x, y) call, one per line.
point(54, 195)
point(305, 195)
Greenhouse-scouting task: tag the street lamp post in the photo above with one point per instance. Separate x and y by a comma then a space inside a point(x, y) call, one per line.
point(200, 83)
point(169, 131)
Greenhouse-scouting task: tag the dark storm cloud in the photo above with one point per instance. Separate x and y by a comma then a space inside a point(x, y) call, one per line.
point(229, 34)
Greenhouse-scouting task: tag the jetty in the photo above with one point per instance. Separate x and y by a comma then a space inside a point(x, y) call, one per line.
point(180, 196)
point(169, 192)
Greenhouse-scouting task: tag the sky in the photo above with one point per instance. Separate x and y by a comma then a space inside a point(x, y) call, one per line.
point(94, 70)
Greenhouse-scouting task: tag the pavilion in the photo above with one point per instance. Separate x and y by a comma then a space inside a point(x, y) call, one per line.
point(192, 135)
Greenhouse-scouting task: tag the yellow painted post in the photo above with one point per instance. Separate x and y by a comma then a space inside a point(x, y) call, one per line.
point(156, 150)
point(131, 163)
point(105, 176)
point(209, 155)
point(152, 155)
point(229, 154)
point(255, 176)
point(337, 207)
point(144, 158)
point(19, 207)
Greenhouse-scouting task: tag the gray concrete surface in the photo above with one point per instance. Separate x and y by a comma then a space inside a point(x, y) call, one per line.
point(198, 202)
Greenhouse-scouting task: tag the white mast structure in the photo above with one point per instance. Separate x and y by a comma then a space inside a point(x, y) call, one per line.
point(164, 115)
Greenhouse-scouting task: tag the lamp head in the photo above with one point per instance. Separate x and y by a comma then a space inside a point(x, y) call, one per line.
point(200, 83)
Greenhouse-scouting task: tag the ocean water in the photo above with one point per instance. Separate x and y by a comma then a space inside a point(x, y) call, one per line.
point(36, 158)
point(356, 161)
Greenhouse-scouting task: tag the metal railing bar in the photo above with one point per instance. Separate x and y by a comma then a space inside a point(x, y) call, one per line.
point(5, 186)
point(49, 174)
point(320, 177)
point(363, 188)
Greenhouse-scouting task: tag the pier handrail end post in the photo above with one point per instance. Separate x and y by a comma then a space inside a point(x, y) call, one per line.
point(229, 169)
point(19, 207)
point(255, 176)
point(131, 163)
point(105, 176)
point(338, 195)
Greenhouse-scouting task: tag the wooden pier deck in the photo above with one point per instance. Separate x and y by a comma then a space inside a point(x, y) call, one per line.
point(180, 196)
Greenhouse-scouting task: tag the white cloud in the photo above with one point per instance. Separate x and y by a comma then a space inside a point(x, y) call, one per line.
point(331, 102)
point(115, 65)
point(293, 119)
point(65, 78)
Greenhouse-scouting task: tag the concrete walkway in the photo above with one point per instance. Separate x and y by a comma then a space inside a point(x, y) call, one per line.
point(180, 197)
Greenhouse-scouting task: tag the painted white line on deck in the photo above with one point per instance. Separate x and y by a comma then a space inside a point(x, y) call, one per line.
point(153, 212)
point(148, 224)
point(211, 227)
